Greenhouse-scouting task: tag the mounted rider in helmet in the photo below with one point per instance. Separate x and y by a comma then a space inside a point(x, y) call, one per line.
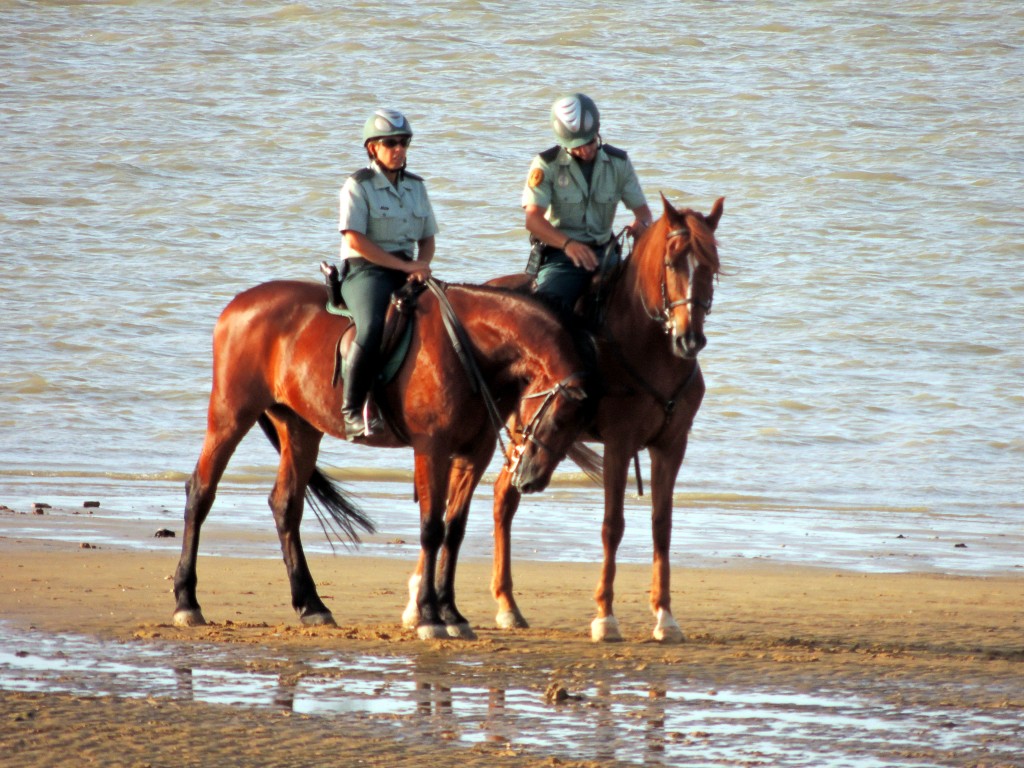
point(571, 196)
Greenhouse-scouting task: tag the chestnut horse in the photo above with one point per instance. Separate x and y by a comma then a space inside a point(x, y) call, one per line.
point(273, 364)
point(647, 348)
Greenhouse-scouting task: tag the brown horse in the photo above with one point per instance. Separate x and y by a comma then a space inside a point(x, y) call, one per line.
point(273, 364)
point(647, 352)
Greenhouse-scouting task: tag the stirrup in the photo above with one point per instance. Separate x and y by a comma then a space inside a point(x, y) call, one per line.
point(355, 427)
point(360, 426)
point(372, 420)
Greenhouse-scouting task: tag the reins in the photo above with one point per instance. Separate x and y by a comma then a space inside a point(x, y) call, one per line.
point(461, 345)
point(665, 316)
point(668, 404)
point(457, 335)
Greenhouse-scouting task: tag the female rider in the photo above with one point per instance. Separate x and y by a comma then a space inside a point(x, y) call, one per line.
point(387, 228)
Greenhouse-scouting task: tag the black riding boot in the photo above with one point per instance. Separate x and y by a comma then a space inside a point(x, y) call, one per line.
point(360, 368)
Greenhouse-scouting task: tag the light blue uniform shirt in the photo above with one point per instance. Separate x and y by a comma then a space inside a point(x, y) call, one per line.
point(393, 217)
point(584, 213)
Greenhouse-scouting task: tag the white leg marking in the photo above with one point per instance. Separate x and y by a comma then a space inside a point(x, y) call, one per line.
point(432, 632)
point(189, 619)
point(510, 620)
point(411, 614)
point(605, 630)
point(667, 630)
point(461, 631)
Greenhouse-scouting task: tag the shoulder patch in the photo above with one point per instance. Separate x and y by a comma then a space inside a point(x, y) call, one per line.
point(549, 155)
point(614, 151)
point(363, 174)
point(412, 176)
point(536, 178)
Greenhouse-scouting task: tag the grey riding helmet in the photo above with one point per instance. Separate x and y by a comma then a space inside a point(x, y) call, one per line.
point(384, 123)
point(575, 120)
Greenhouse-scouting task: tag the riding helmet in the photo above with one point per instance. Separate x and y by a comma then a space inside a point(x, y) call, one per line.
point(385, 122)
point(575, 120)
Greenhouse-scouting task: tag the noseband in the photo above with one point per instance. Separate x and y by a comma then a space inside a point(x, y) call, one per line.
point(665, 315)
point(529, 431)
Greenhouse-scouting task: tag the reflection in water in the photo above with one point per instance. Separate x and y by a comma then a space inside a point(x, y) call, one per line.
point(612, 717)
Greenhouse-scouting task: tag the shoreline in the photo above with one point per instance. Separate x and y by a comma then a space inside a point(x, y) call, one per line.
point(916, 645)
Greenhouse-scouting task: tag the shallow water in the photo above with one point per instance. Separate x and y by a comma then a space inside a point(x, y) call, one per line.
point(865, 349)
point(682, 719)
point(709, 531)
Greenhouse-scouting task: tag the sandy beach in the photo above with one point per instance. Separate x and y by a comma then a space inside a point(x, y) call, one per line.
point(918, 641)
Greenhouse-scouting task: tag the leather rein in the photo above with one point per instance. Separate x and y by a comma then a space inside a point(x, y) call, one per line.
point(461, 345)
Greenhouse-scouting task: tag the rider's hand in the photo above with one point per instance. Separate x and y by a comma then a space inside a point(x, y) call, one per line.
point(417, 271)
point(581, 255)
point(637, 228)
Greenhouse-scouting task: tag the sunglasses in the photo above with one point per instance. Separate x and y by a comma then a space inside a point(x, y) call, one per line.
point(392, 143)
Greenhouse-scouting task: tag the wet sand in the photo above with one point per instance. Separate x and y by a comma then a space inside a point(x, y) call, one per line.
point(926, 643)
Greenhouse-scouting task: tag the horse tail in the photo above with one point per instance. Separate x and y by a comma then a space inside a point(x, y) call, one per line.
point(338, 515)
point(589, 460)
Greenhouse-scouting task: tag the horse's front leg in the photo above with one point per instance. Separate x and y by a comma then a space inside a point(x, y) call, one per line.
point(506, 502)
point(299, 446)
point(664, 469)
point(605, 627)
point(431, 477)
point(224, 432)
point(465, 475)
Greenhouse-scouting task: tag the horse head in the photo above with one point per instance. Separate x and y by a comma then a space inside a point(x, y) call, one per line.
point(677, 263)
point(550, 420)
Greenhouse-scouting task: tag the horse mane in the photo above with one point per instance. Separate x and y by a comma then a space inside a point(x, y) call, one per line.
point(702, 237)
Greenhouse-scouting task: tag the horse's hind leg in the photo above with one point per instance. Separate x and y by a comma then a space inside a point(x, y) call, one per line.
point(224, 431)
point(506, 502)
point(299, 445)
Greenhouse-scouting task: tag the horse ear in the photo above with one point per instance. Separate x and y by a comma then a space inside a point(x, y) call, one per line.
point(575, 393)
point(666, 205)
point(716, 213)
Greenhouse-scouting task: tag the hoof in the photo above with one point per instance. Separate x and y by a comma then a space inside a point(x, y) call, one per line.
point(511, 620)
point(461, 631)
point(189, 618)
point(324, 619)
point(432, 632)
point(667, 630)
point(605, 630)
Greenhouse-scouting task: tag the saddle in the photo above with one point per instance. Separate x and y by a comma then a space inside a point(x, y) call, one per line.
point(590, 307)
point(397, 329)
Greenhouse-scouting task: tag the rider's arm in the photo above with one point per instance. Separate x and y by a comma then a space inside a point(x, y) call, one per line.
point(359, 243)
point(537, 225)
point(642, 219)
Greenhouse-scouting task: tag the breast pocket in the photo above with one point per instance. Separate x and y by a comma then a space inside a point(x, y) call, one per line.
point(385, 225)
point(604, 202)
point(418, 221)
point(569, 206)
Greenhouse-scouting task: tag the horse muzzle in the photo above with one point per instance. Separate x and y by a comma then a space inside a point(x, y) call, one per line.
point(528, 474)
point(689, 344)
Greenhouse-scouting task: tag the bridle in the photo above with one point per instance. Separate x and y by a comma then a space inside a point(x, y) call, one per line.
point(665, 315)
point(528, 433)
